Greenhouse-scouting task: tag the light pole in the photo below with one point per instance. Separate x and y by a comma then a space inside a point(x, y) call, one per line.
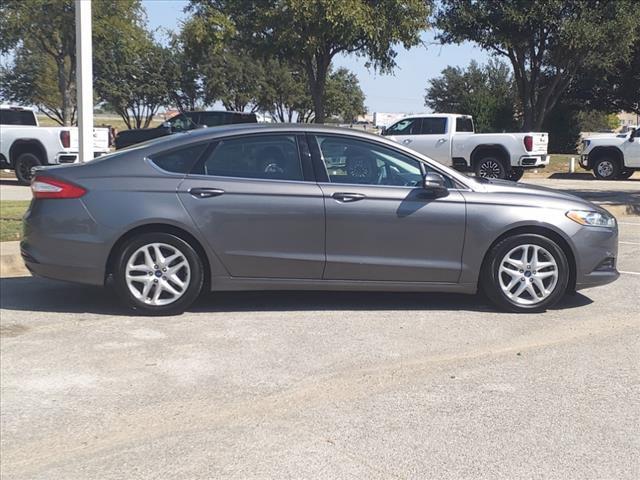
point(84, 79)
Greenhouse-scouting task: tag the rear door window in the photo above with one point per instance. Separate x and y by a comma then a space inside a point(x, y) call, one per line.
point(268, 157)
point(464, 125)
point(180, 160)
point(434, 126)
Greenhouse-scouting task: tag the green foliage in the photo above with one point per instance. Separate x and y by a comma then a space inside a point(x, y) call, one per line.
point(486, 92)
point(597, 121)
point(41, 36)
point(563, 127)
point(309, 33)
point(344, 97)
point(549, 43)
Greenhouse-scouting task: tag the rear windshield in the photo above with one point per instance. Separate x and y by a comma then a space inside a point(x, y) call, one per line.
point(213, 119)
point(17, 117)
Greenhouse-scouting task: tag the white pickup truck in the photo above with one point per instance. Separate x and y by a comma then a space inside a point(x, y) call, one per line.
point(450, 140)
point(612, 157)
point(24, 144)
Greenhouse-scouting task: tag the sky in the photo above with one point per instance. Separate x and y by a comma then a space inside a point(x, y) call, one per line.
point(402, 91)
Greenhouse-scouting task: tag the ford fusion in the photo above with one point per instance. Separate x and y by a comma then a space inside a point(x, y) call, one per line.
point(260, 207)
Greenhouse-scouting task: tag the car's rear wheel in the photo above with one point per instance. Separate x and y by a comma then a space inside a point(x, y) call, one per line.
point(490, 167)
point(24, 163)
point(606, 168)
point(158, 274)
point(525, 273)
point(625, 174)
point(516, 173)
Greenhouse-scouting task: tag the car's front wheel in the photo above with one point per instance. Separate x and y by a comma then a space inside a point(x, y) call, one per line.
point(525, 273)
point(158, 274)
point(606, 168)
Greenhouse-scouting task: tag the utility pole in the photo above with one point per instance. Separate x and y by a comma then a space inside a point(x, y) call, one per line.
point(84, 79)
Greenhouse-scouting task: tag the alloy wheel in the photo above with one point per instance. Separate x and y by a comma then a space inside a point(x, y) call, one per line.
point(490, 169)
point(528, 274)
point(157, 274)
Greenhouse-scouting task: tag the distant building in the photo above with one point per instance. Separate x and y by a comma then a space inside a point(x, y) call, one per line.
point(628, 120)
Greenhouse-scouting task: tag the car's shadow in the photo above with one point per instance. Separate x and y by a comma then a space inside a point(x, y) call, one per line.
point(39, 295)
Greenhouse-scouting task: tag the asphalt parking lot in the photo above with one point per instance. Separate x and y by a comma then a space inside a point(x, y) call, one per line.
point(321, 385)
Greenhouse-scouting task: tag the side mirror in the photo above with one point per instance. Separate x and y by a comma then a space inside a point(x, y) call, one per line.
point(436, 184)
point(383, 131)
point(634, 134)
point(166, 126)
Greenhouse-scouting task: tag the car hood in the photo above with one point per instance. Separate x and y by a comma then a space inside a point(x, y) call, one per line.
point(605, 140)
point(516, 193)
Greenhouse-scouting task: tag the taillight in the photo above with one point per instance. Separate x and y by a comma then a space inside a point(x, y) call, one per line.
point(65, 138)
point(528, 143)
point(47, 187)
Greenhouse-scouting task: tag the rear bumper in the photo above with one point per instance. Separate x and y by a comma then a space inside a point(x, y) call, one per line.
point(534, 161)
point(63, 242)
point(73, 156)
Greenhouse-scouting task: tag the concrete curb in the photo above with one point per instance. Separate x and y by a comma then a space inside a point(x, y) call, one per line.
point(11, 264)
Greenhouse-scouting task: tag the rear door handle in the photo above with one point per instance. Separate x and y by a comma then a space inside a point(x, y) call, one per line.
point(407, 141)
point(346, 197)
point(206, 192)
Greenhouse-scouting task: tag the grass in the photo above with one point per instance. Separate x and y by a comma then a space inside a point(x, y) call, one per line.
point(11, 213)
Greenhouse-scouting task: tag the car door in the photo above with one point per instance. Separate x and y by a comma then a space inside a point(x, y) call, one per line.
point(434, 139)
point(258, 206)
point(381, 224)
point(631, 150)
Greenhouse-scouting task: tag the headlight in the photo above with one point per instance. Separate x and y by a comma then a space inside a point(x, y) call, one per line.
point(592, 219)
point(585, 144)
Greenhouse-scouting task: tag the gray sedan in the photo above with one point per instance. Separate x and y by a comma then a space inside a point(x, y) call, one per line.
point(286, 207)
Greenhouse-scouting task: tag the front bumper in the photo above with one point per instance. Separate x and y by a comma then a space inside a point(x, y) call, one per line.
point(596, 250)
point(584, 161)
point(534, 161)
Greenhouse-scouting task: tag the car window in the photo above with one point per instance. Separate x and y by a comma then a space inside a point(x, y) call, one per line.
point(179, 161)
point(359, 162)
point(408, 126)
point(17, 117)
point(464, 124)
point(213, 119)
point(434, 126)
point(270, 157)
point(180, 123)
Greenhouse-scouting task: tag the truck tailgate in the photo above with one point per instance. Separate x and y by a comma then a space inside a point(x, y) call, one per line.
point(540, 143)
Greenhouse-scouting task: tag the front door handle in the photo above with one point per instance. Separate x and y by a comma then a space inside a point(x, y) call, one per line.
point(206, 192)
point(407, 141)
point(442, 140)
point(347, 197)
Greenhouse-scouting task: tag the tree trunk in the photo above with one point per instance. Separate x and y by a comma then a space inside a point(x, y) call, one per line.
point(317, 69)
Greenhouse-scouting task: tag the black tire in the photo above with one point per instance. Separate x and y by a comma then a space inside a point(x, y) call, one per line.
point(625, 174)
point(490, 167)
point(191, 291)
point(490, 281)
point(606, 167)
point(516, 173)
point(24, 163)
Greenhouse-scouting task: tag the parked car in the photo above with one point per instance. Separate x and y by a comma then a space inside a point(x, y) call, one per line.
point(183, 122)
point(24, 144)
point(450, 140)
point(307, 207)
point(612, 157)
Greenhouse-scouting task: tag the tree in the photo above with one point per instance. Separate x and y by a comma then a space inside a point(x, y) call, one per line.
point(486, 92)
point(310, 33)
point(41, 36)
point(344, 97)
point(549, 43)
point(597, 121)
point(133, 75)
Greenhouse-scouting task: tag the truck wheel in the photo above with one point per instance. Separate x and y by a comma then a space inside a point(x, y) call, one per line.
point(606, 168)
point(23, 166)
point(516, 173)
point(625, 174)
point(491, 167)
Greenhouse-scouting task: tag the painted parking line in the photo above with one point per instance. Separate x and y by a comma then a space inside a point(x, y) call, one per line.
point(629, 273)
point(629, 223)
point(629, 243)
